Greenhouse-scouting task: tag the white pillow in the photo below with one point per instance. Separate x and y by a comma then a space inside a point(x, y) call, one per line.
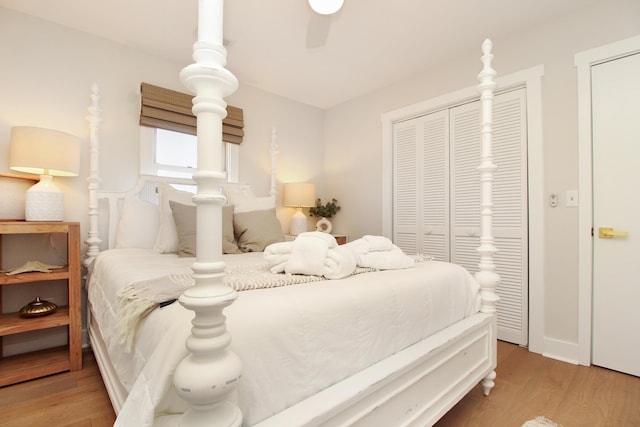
point(138, 224)
point(167, 240)
point(243, 203)
point(236, 189)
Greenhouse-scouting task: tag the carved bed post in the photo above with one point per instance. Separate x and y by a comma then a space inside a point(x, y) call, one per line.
point(487, 276)
point(207, 376)
point(93, 240)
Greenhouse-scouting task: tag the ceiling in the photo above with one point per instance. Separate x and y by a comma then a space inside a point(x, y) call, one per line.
point(371, 43)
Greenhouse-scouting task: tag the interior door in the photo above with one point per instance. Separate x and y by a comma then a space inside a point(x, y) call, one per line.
point(616, 220)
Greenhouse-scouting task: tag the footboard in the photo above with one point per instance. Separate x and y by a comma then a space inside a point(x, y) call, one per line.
point(414, 387)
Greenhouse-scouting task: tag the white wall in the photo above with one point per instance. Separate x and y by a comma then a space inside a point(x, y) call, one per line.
point(353, 135)
point(45, 79)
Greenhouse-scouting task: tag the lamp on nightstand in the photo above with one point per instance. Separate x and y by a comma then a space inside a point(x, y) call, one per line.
point(47, 153)
point(299, 195)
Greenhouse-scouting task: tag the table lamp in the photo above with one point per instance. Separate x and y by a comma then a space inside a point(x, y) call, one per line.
point(47, 153)
point(299, 195)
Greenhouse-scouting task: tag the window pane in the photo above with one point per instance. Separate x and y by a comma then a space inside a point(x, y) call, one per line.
point(176, 149)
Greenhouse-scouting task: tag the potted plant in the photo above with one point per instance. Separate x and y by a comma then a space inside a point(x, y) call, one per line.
point(324, 212)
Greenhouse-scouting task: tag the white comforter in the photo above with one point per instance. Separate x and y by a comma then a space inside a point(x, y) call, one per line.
point(293, 341)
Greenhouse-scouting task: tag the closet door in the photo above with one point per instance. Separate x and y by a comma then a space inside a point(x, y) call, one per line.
point(420, 186)
point(510, 221)
point(436, 188)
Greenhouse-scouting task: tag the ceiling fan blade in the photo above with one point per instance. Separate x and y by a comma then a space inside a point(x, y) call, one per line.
point(317, 30)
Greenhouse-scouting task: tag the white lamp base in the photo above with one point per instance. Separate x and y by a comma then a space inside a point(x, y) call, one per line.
point(44, 201)
point(298, 223)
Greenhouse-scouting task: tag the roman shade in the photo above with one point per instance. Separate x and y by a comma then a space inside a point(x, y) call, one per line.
point(168, 109)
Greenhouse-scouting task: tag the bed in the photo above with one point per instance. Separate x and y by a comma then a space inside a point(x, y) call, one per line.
point(244, 345)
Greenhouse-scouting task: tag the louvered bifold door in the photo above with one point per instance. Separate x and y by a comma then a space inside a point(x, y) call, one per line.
point(421, 199)
point(509, 204)
point(405, 185)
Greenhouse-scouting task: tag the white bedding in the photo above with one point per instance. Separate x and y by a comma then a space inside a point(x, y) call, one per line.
point(293, 341)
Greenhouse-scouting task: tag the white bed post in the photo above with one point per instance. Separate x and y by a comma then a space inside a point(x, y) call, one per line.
point(487, 276)
point(93, 240)
point(207, 376)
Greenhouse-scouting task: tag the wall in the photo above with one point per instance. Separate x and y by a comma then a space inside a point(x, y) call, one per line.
point(354, 144)
point(45, 79)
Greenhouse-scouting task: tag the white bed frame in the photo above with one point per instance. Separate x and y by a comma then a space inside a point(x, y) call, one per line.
point(414, 387)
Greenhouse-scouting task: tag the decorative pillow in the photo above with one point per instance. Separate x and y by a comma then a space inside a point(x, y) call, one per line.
point(185, 220)
point(257, 229)
point(138, 224)
point(167, 241)
point(244, 203)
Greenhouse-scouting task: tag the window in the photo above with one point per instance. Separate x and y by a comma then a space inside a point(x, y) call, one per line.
point(168, 143)
point(174, 154)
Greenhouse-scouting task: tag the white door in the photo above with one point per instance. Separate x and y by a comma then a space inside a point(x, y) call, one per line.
point(436, 196)
point(510, 214)
point(616, 205)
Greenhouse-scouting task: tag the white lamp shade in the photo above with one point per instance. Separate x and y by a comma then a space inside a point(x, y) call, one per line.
point(299, 194)
point(326, 7)
point(44, 152)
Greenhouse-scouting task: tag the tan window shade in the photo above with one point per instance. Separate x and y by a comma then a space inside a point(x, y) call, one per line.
point(168, 109)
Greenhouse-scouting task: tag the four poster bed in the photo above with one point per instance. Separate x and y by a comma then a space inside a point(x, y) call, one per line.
point(382, 346)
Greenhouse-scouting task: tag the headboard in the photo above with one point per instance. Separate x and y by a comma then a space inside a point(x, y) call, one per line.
point(111, 203)
point(106, 207)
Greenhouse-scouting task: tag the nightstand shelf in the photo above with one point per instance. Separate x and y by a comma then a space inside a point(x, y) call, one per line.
point(57, 274)
point(23, 367)
point(12, 323)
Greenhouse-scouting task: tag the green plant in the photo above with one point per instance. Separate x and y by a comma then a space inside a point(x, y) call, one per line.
point(325, 211)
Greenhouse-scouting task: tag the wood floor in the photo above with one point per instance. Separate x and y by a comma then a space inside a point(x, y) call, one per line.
point(76, 399)
point(528, 385)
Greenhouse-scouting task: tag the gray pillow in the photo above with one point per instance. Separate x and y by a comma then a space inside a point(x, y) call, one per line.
point(256, 230)
point(185, 219)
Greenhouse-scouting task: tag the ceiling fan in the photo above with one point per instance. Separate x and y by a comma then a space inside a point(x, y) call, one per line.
point(320, 21)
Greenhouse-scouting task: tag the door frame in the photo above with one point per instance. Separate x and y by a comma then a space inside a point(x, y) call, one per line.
point(531, 80)
point(583, 61)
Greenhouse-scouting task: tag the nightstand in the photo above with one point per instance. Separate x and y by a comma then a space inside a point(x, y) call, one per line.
point(23, 367)
point(341, 239)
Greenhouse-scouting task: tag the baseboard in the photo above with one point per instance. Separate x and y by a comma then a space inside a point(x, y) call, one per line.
point(85, 338)
point(561, 350)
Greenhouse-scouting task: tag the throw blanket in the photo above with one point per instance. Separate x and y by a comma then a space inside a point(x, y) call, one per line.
point(317, 253)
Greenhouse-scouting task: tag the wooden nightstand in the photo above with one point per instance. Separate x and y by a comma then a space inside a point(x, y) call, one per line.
point(341, 239)
point(22, 367)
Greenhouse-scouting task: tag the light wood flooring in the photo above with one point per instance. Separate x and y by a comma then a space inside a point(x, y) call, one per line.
point(528, 385)
point(76, 399)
